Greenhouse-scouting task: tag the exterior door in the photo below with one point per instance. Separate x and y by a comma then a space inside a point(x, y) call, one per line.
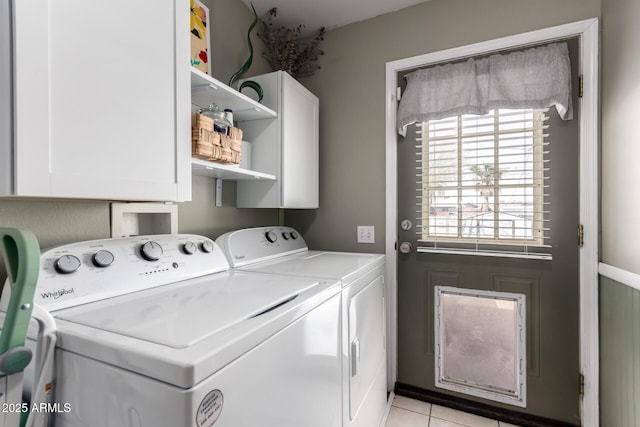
point(551, 286)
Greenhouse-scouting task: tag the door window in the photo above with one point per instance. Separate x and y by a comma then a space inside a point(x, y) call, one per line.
point(483, 181)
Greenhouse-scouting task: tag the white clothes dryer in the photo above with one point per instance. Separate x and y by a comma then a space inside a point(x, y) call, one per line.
point(157, 331)
point(282, 251)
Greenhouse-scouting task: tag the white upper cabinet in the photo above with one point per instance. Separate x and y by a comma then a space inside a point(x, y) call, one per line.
point(100, 100)
point(286, 147)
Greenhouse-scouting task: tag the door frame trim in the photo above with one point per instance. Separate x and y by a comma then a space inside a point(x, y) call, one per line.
point(589, 129)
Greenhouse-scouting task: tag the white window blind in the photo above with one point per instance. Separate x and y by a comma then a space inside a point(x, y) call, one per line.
point(483, 184)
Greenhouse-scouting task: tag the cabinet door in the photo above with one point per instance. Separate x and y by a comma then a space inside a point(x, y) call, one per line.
point(102, 99)
point(299, 117)
point(6, 101)
point(286, 147)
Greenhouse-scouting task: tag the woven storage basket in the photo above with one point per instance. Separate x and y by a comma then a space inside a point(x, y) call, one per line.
point(201, 121)
point(205, 136)
point(213, 146)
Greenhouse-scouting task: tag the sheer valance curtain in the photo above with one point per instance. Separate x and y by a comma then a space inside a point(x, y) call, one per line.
point(534, 78)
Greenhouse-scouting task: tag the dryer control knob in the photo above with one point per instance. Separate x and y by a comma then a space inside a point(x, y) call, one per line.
point(190, 248)
point(285, 235)
point(271, 236)
point(294, 235)
point(151, 251)
point(207, 246)
point(67, 264)
point(102, 258)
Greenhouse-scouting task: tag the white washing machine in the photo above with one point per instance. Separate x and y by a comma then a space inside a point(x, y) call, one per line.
point(282, 251)
point(157, 331)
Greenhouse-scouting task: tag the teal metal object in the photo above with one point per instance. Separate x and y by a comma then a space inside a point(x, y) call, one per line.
point(22, 258)
point(238, 74)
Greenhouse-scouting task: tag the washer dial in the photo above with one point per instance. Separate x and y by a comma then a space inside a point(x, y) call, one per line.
point(151, 251)
point(190, 248)
point(102, 258)
point(67, 264)
point(271, 236)
point(207, 246)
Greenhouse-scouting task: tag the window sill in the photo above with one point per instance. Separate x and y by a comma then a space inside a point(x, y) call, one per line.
point(487, 253)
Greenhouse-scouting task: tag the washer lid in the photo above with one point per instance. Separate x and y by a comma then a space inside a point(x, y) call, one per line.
point(345, 266)
point(183, 333)
point(184, 314)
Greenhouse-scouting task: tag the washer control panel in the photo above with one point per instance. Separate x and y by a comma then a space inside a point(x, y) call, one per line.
point(251, 245)
point(83, 272)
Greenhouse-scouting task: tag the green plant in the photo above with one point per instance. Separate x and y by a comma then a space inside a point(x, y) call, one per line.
point(238, 74)
point(287, 51)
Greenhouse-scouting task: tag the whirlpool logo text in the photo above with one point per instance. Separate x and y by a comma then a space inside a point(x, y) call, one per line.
point(57, 293)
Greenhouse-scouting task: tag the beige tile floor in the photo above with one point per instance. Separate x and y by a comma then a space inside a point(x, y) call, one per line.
point(407, 412)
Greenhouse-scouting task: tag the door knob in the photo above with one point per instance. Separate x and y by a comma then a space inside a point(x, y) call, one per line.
point(406, 247)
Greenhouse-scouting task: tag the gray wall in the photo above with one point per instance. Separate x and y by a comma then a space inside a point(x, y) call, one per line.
point(620, 130)
point(59, 222)
point(351, 86)
point(230, 20)
point(620, 207)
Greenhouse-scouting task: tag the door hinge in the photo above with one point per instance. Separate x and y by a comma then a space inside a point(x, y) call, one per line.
point(398, 93)
point(581, 385)
point(580, 235)
point(580, 86)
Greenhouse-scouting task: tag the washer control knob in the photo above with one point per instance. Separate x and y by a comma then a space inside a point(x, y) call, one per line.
point(190, 248)
point(67, 264)
point(271, 236)
point(102, 258)
point(293, 235)
point(285, 235)
point(151, 251)
point(207, 246)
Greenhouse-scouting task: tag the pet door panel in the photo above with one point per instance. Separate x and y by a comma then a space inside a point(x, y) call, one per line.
point(480, 341)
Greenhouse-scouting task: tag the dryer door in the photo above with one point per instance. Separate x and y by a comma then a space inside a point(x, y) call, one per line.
point(366, 351)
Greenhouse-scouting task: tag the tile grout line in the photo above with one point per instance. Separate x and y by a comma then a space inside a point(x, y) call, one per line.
point(415, 412)
point(448, 421)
